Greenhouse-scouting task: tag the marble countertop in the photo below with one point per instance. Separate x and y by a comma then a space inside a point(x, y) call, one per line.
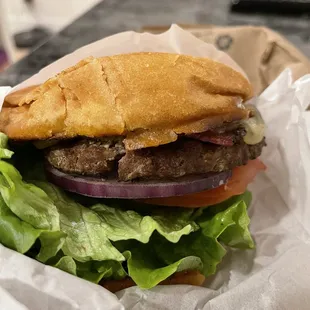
point(113, 16)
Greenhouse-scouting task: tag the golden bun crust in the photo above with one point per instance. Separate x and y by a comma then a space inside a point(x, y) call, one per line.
point(191, 277)
point(151, 97)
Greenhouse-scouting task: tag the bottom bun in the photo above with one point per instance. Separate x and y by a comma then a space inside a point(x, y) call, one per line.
point(191, 277)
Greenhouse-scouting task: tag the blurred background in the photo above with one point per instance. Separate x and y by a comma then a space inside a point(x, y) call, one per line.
point(34, 33)
point(25, 24)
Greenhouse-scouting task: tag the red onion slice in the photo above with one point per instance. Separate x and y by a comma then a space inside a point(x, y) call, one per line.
point(108, 188)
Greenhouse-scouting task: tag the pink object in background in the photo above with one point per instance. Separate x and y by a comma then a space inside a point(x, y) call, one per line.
point(3, 58)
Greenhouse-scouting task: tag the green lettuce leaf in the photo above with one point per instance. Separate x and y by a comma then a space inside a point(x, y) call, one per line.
point(238, 235)
point(4, 151)
point(67, 264)
point(92, 271)
point(208, 249)
point(147, 270)
point(27, 201)
point(90, 230)
point(159, 259)
point(14, 233)
point(111, 269)
point(96, 271)
point(51, 243)
point(229, 222)
point(127, 224)
point(86, 237)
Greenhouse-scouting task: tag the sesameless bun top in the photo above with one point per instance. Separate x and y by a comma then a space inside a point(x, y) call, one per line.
point(147, 97)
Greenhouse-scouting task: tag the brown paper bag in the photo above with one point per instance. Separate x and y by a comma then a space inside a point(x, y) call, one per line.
point(262, 53)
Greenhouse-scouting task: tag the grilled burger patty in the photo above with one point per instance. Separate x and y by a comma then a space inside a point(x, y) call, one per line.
point(86, 156)
point(185, 156)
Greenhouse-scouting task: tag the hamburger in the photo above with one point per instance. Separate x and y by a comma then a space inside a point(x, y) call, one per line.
point(131, 169)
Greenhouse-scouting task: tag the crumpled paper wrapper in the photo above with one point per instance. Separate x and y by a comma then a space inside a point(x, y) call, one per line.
point(276, 275)
point(261, 52)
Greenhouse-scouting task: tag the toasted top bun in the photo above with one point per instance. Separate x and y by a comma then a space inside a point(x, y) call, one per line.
point(147, 97)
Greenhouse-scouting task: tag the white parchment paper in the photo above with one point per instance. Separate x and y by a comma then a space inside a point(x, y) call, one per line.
point(276, 275)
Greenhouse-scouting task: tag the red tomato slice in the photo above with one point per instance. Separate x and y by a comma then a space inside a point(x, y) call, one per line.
point(236, 185)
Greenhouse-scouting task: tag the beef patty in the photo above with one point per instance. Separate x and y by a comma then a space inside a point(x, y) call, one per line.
point(185, 156)
point(86, 156)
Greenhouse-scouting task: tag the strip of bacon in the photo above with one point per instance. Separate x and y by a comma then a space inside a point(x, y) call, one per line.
point(226, 139)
